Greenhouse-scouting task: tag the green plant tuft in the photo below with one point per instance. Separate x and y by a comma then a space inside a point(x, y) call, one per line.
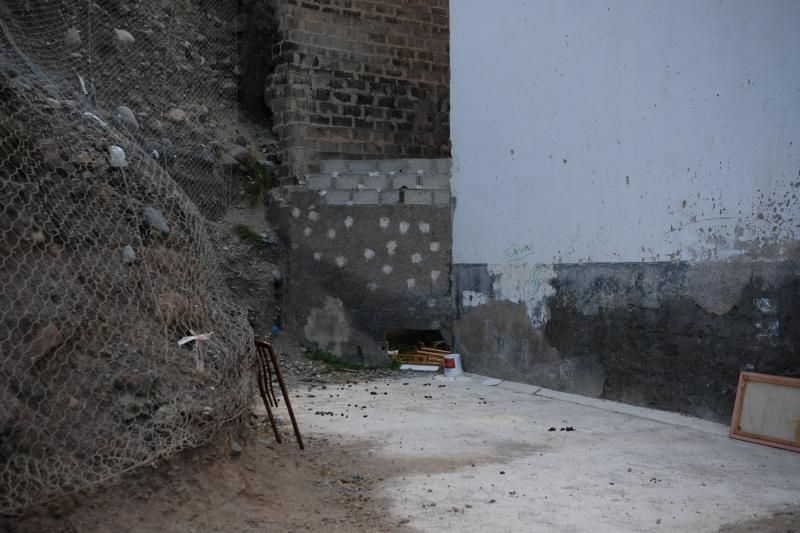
point(248, 235)
point(257, 188)
point(335, 363)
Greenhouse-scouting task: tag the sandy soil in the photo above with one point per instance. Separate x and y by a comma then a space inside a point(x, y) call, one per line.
point(269, 487)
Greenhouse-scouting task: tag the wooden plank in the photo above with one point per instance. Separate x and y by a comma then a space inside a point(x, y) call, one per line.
point(767, 411)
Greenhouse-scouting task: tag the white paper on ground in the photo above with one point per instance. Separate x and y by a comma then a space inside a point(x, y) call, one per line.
point(420, 368)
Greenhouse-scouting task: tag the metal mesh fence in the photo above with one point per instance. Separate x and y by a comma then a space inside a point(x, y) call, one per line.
point(109, 111)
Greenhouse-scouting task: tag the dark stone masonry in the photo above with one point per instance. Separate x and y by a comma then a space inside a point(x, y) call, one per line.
point(357, 79)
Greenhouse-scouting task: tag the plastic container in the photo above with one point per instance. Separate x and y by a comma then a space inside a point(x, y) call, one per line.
point(452, 365)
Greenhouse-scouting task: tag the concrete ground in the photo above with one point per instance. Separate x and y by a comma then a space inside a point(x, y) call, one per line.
point(465, 456)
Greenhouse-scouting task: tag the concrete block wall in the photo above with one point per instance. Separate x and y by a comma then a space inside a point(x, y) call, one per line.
point(386, 182)
point(360, 261)
point(360, 79)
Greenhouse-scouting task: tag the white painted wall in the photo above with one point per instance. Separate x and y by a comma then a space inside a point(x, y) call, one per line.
point(679, 122)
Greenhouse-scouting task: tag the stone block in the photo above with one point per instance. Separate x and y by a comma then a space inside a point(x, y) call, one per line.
point(337, 197)
point(363, 167)
point(376, 182)
point(409, 181)
point(366, 198)
point(436, 181)
point(390, 197)
point(441, 198)
point(348, 181)
point(319, 182)
point(416, 165)
point(418, 197)
point(335, 165)
point(443, 166)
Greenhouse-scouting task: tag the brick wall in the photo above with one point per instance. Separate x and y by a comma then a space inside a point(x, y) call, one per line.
point(358, 79)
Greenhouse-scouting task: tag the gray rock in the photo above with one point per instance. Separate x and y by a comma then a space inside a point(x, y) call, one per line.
point(236, 448)
point(240, 154)
point(156, 220)
point(73, 38)
point(123, 37)
point(177, 115)
point(127, 118)
point(155, 125)
point(128, 255)
point(116, 157)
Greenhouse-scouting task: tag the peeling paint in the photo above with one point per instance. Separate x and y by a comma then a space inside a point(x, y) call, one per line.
point(411, 282)
point(435, 276)
point(416, 258)
point(331, 233)
point(434, 246)
point(307, 231)
point(424, 227)
point(403, 227)
point(313, 216)
point(387, 269)
point(341, 261)
point(391, 247)
point(348, 222)
point(473, 299)
point(295, 212)
point(384, 222)
point(369, 253)
point(528, 284)
point(317, 256)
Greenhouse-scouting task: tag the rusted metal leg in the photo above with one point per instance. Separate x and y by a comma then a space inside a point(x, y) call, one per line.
point(263, 390)
point(279, 375)
point(270, 386)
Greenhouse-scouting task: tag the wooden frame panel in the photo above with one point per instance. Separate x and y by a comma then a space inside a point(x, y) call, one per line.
point(736, 431)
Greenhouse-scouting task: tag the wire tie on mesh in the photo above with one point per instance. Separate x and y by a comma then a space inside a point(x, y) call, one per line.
point(200, 338)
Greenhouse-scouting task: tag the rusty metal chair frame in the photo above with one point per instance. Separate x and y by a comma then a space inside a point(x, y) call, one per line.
point(266, 364)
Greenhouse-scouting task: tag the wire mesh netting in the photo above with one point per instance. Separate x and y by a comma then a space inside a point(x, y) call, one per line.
point(108, 172)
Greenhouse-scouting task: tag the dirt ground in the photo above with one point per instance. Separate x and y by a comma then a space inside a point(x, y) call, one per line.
point(332, 485)
point(268, 487)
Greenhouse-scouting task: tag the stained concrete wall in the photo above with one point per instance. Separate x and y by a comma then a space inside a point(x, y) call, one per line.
point(626, 177)
point(369, 251)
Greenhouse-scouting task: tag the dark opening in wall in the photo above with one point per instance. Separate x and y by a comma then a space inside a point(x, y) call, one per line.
point(257, 35)
point(409, 340)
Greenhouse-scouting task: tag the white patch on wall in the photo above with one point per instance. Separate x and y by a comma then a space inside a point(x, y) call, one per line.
point(473, 299)
point(341, 261)
point(369, 253)
point(372, 286)
point(765, 306)
point(348, 222)
point(391, 247)
point(307, 231)
point(328, 326)
point(331, 233)
point(434, 246)
point(435, 276)
point(528, 284)
point(384, 222)
point(416, 258)
point(411, 282)
point(317, 256)
point(313, 216)
point(403, 227)
point(295, 212)
point(566, 370)
point(387, 269)
point(424, 227)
